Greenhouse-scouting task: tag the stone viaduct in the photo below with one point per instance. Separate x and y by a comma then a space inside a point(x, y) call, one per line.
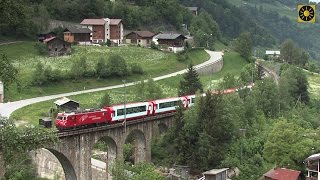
point(74, 151)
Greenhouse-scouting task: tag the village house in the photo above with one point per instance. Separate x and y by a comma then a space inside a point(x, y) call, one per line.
point(142, 38)
point(45, 35)
point(194, 10)
point(57, 46)
point(75, 34)
point(174, 42)
point(282, 174)
point(105, 29)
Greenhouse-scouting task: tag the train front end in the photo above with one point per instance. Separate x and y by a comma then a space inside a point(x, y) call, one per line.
point(63, 121)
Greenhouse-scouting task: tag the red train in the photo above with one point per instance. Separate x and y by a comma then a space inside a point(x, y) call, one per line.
point(117, 113)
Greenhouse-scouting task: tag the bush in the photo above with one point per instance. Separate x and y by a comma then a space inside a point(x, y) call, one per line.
point(154, 46)
point(108, 43)
point(117, 66)
point(42, 48)
point(38, 76)
point(182, 56)
point(105, 100)
point(102, 69)
point(136, 68)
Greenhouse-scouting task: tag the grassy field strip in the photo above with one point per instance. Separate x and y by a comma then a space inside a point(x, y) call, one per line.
point(314, 84)
point(232, 63)
point(154, 63)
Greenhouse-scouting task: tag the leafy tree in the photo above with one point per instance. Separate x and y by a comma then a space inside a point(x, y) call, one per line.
point(243, 45)
point(294, 85)
point(79, 68)
point(102, 68)
point(247, 74)
point(117, 66)
point(146, 90)
point(17, 142)
point(8, 73)
point(38, 77)
point(105, 100)
point(288, 51)
point(228, 81)
point(204, 29)
point(266, 95)
point(190, 83)
point(288, 145)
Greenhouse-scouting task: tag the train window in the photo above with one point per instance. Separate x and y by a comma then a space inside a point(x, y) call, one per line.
point(193, 100)
point(131, 110)
point(60, 117)
point(168, 104)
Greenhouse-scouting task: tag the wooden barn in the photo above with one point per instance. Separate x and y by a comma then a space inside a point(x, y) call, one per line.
point(57, 46)
point(75, 34)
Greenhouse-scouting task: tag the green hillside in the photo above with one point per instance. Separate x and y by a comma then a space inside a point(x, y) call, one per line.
point(153, 62)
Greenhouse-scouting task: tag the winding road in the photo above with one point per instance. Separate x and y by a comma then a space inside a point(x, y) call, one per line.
point(6, 109)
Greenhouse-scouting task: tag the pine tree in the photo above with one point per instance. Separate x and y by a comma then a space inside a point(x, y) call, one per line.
point(191, 82)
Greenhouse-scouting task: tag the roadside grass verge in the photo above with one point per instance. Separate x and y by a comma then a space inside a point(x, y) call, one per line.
point(233, 63)
point(154, 63)
point(314, 85)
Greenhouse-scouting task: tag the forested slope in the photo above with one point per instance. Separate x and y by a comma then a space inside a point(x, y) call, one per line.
point(270, 22)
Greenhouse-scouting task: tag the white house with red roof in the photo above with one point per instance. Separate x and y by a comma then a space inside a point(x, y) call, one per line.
point(105, 29)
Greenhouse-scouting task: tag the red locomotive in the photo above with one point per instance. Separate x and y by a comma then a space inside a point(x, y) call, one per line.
point(131, 111)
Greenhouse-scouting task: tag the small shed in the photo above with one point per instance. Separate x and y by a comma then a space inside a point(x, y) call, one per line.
point(282, 174)
point(45, 35)
point(57, 46)
point(194, 10)
point(66, 103)
point(216, 174)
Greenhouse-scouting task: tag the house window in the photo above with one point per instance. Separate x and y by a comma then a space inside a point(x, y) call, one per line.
point(56, 49)
point(139, 40)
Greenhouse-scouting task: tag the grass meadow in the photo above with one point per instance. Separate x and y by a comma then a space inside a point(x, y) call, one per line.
point(232, 63)
point(153, 62)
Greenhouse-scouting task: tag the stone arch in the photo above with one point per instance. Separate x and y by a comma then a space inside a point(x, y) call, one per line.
point(140, 152)
point(110, 156)
point(68, 168)
point(162, 128)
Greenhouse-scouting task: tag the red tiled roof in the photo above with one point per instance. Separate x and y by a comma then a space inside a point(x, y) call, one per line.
point(93, 22)
point(283, 174)
point(115, 21)
point(49, 39)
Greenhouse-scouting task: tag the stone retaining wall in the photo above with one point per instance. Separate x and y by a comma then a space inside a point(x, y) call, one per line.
point(211, 68)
